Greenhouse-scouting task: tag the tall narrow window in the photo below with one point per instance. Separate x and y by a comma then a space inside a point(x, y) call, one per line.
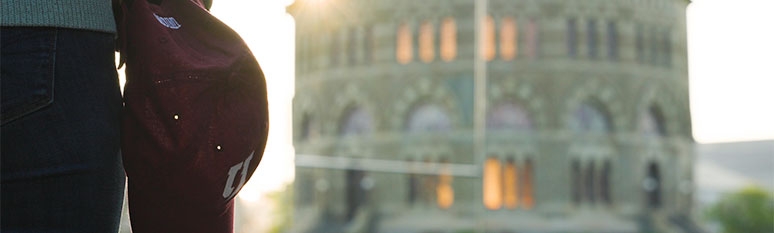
point(572, 38)
point(448, 39)
point(533, 39)
point(426, 42)
point(668, 48)
point(306, 127)
point(413, 183)
point(351, 45)
point(591, 37)
point(493, 194)
point(654, 50)
point(488, 49)
point(429, 183)
point(527, 194)
point(639, 42)
point(335, 48)
point(508, 39)
point(612, 41)
point(444, 191)
point(652, 185)
point(590, 184)
point(511, 184)
point(604, 183)
point(404, 45)
point(368, 44)
point(576, 178)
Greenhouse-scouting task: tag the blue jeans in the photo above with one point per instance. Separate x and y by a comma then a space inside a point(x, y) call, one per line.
point(61, 105)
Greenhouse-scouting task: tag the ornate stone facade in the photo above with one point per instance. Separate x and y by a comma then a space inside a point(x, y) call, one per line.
point(587, 128)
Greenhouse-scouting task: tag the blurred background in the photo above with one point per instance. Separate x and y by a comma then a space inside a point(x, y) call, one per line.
point(511, 115)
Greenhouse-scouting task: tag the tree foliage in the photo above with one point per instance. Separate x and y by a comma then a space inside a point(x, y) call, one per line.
point(750, 210)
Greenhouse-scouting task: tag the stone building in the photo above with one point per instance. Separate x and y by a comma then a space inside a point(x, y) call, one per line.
point(585, 128)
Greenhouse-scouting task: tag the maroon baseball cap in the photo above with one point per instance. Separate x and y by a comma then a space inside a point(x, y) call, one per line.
point(195, 120)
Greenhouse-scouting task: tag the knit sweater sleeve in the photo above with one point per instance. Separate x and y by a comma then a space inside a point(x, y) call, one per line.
point(96, 15)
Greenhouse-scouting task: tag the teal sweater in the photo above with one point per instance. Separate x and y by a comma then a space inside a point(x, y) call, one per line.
point(96, 15)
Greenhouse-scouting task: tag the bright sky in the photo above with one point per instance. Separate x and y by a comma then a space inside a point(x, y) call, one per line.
point(731, 50)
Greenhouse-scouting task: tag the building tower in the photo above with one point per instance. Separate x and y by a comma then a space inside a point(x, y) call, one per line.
point(587, 125)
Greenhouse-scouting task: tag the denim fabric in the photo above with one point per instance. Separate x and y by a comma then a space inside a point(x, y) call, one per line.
point(60, 162)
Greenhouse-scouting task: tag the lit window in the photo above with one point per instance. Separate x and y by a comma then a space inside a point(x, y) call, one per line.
point(426, 42)
point(612, 41)
point(488, 30)
point(511, 185)
point(448, 39)
point(533, 41)
point(444, 190)
point(493, 194)
point(572, 38)
point(591, 33)
point(527, 195)
point(404, 46)
point(508, 39)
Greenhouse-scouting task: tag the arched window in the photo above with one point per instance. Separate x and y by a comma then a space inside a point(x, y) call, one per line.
point(604, 183)
point(590, 185)
point(488, 30)
point(576, 177)
point(448, 39)
point(493, 189)
point(426, 42)
point(590, 118)
point(428, 118)
point(527, 195)
point(508, 116)
point(652, 122)
point(508, 39)
point(511, 184)
point(404, 50)
point(357, 121)
point(444, 191)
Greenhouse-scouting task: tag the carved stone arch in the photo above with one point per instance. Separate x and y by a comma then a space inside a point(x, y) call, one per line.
point(347, 99)
point(522, 93)
point(604, 94)
point(424, 91)
point(661, 97)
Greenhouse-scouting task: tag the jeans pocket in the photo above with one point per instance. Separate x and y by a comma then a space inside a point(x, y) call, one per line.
point(26, 71)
